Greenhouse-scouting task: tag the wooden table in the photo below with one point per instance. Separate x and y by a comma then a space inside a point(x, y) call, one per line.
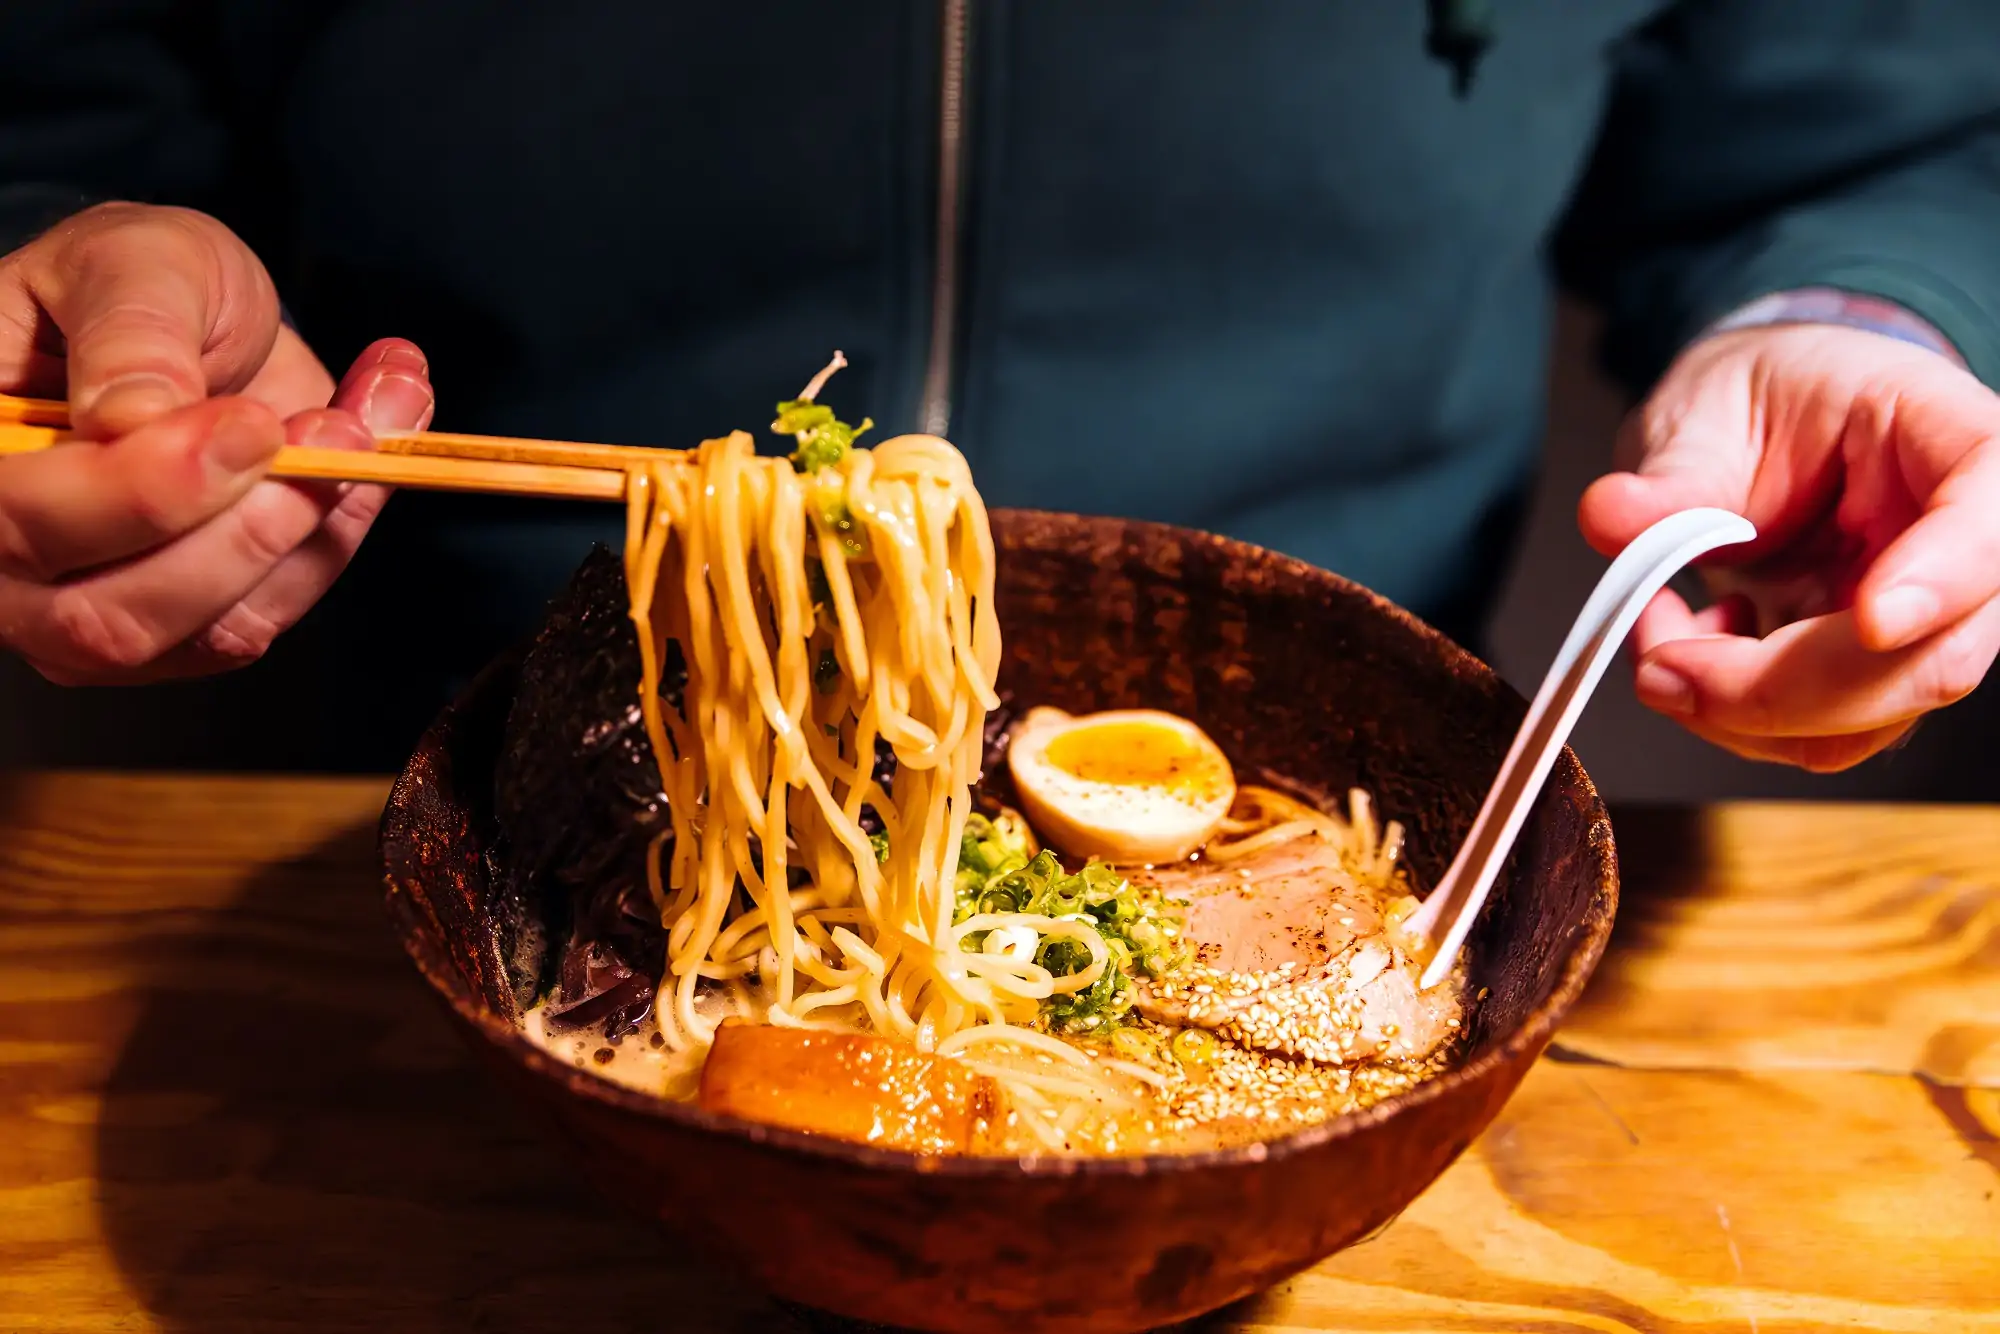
point(225, 1105)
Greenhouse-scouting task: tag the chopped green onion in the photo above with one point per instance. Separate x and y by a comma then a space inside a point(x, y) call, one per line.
point(1139, 927)
point(823, 438)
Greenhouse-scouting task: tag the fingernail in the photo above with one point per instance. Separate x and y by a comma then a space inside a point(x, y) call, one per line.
point(239, 442)
point(404, 357)
point(1664, 689)
point(132, 400)
point(1903, 615)
point(397, 403)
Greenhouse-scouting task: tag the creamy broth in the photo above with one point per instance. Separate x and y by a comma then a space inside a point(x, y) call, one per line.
point(1297, 1003)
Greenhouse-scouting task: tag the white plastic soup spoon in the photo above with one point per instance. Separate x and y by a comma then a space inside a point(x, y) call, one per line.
point(1640, 571)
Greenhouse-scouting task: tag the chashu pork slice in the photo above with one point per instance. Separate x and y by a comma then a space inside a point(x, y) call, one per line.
point(850, 1086)
point(1292, 955)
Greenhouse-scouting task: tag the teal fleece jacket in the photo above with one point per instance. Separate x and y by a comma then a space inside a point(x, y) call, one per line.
point(1257, 268)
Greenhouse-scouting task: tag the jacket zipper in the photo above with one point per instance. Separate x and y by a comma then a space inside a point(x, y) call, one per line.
point(936, 407)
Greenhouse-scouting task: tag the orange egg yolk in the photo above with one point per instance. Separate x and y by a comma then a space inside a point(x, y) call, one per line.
point(1130, 754)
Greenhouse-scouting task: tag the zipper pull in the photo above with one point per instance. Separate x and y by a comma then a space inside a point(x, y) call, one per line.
point(1460, 33)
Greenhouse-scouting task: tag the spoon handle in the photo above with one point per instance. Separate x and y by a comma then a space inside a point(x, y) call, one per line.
point(1640, 571)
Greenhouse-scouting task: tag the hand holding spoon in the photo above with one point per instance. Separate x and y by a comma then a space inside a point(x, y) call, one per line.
point(1640, 571)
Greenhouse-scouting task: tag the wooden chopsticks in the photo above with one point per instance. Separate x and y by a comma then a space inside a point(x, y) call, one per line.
point(433, 461)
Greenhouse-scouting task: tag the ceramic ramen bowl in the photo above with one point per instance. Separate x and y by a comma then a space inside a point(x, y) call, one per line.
point(1296, 673)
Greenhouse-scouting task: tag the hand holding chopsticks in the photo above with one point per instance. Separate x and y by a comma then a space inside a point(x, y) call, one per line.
point(172, 546)
point(162, 553)
point(160, 307)
point(427, 460)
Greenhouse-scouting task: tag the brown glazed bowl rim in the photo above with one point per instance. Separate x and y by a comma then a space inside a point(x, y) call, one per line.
point(1584, 953)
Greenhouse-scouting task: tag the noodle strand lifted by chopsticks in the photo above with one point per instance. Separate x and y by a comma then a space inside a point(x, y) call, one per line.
point(769, 760)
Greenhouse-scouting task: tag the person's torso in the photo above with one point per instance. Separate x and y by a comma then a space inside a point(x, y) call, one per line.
point(1249, 268)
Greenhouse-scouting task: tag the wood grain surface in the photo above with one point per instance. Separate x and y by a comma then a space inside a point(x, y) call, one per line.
point(225, 1105)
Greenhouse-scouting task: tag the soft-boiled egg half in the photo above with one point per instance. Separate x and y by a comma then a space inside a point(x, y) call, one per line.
point(1132, 785)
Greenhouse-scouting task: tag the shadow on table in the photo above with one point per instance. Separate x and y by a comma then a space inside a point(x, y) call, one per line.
point(1663, 854)
point(293, 1139)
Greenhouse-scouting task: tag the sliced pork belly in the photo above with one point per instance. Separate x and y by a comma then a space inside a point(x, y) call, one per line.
point(850, 1086)
point(1293, 956)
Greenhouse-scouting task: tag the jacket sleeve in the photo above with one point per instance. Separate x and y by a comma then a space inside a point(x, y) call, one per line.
point(105, 99)
point(1758, 146)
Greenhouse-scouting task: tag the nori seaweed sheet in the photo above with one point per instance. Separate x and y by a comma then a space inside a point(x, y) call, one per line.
point(577, 798)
